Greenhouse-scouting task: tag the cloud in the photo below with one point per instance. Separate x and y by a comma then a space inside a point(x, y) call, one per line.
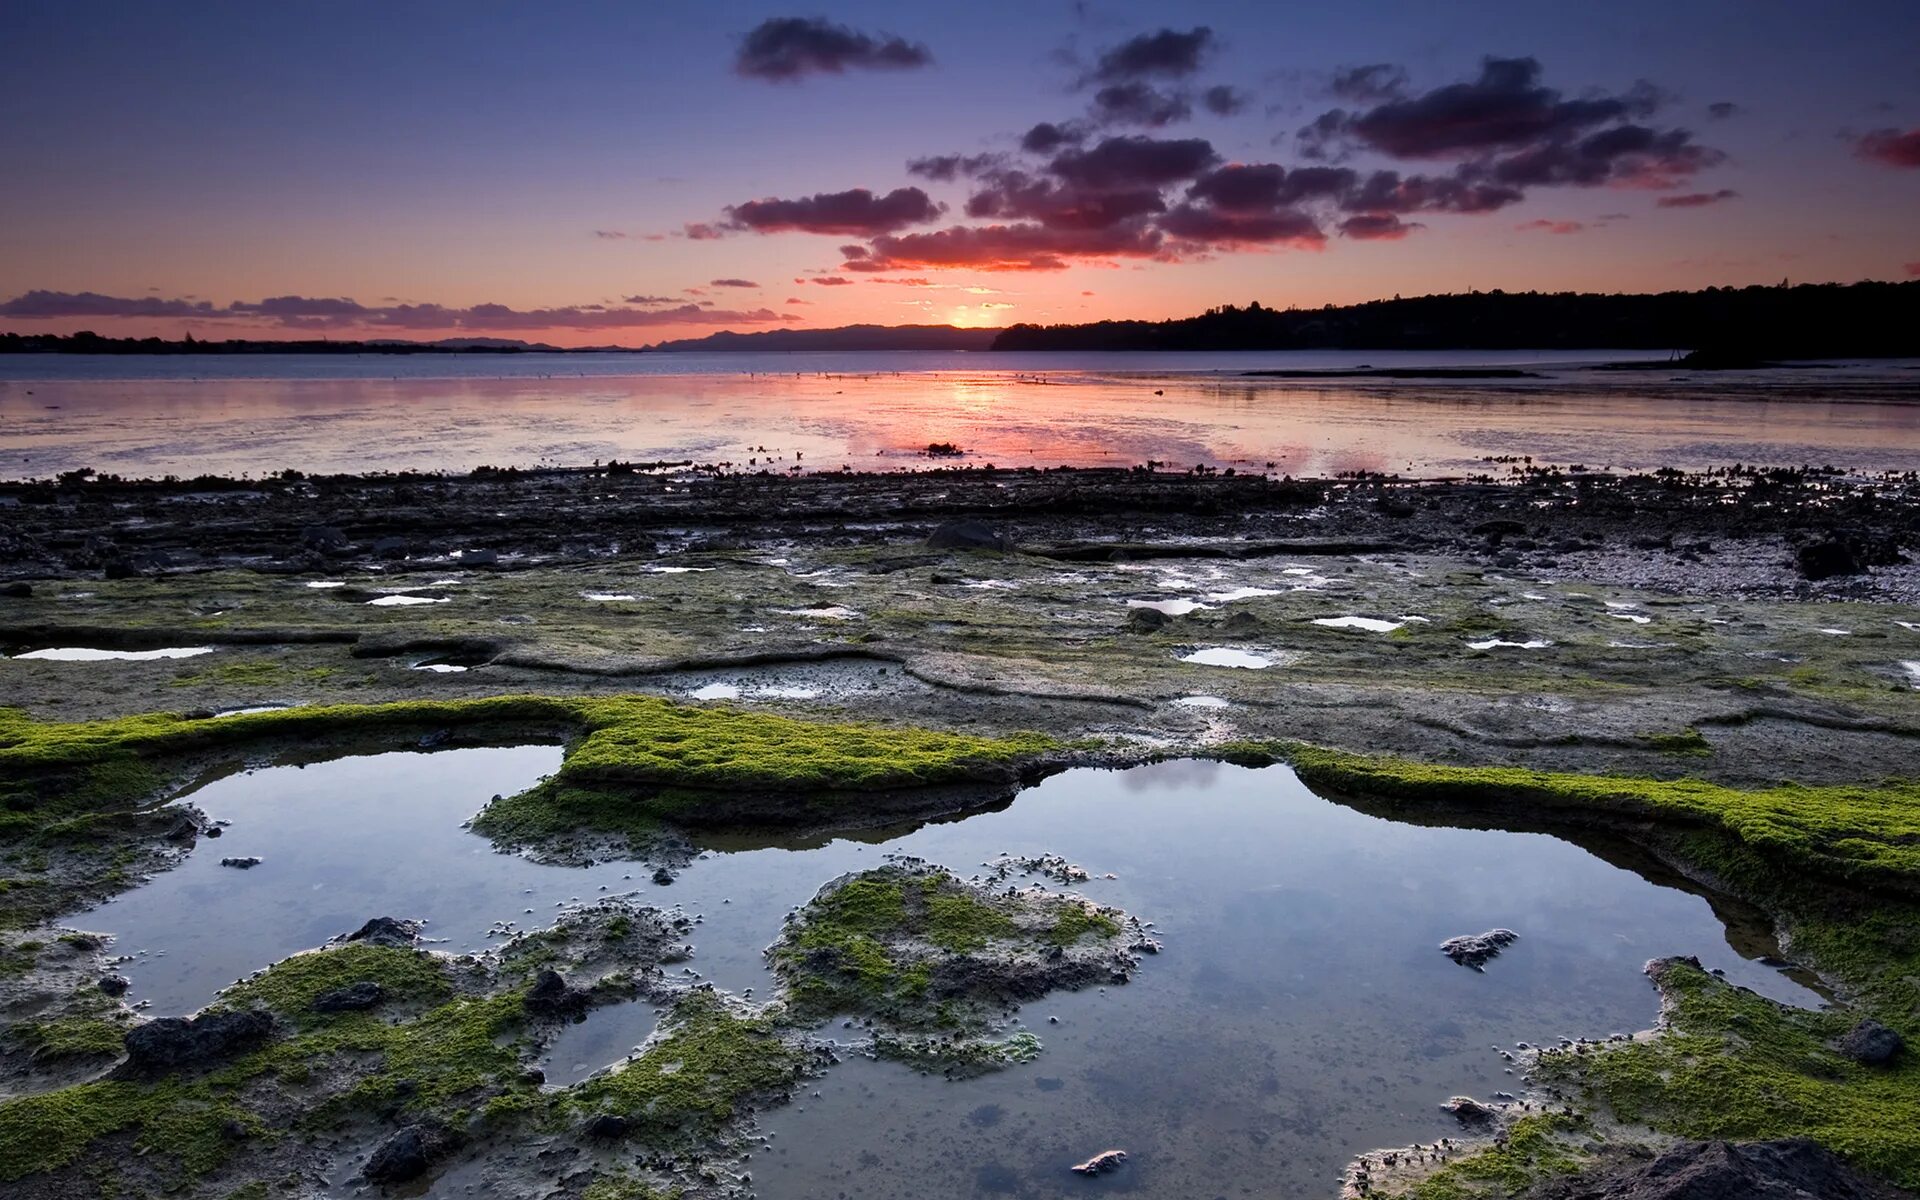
point(1625, 155)
point(1222, 100)
point(784, 49)
point(644, 300)
point(334, 313)
point(1720, 110)
point(1369, 84)
point(732, 283)
point(610, 235)
point(831, 280)
point(1913, 269)
point(858, 213)
point(1377, 227)
point(1256, 187)
point(1697, 199)
point(1046, 137)
point(1460, 192)
point(1139, 104)
point(1505, 108)
point(1167, 53)
point(700, 231)
point(1211, 228)
point(1543, 225)
point(1015, 195)
point(797, 300)
point(1023, 247)
point(1891, 147)
point(945, 168)
point(1128, 162)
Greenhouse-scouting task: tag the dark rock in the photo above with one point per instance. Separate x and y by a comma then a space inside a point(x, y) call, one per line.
point(19, 589)
point(1825, 559)
point(389, 547)
point(662, 876)
point(323, 537)
point(246, 863)
point(480, 558)
point(608, 1125)
point(1499, 528)
point(551, 997)
point(1476, 950)
point(184, 830)
point(1242, 624)
point(408, 1153)
point(355, 997)
point(1790, 1169)
point(115, 985)
point(171, 1043)
point(1871, 1044)
point(211, 831)
point(968, 535)
point(1470, 1111)
point(1146, 620)
point(387, 931)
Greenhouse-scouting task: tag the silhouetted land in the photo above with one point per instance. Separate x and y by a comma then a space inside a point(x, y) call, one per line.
point(1734, 327)
point(845, 337)
point(87, 342)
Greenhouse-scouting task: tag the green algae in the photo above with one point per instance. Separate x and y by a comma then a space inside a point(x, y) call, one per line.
point(71, 1037)
point(692, 1078)
point(1077, 921)
point(1534, 1148)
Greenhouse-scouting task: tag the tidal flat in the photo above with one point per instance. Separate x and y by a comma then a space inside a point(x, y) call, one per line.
point(720, 835)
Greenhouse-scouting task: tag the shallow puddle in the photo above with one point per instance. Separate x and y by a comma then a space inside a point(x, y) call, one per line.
point(1172, 608)
point(1227, 656)
point(1300, 1013)
point(1369, 624)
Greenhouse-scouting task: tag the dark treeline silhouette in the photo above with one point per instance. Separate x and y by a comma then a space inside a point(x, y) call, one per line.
point(88, 342)
point(1725, 325)
point(844, 337)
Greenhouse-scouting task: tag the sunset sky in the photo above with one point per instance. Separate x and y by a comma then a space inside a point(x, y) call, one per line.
point(624, 172)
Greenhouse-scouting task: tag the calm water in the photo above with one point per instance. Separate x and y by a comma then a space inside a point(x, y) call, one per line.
point(231, 415)
point(1299, 1014)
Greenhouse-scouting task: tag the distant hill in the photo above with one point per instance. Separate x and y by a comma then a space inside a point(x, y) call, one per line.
point(845, 337)
point(92, 343)
point(1805, 321)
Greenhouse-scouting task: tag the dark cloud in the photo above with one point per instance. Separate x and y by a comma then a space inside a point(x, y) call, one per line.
point(1377, 227)
point(797, 300)
point(1046, 137)
point(610, 235)
point(1720, 110)
point(1628, 155)
point(1505, 108)
point(319, 312)
point(732, 283)
point(700, 231)
point(1121, 163)
point(1167, 53)
point(1222, 100)
point(1025, 247)
point(1015, 195)
point(1891, 147)
point(945, 168)
point(1261, 187)
point(1389, 191)
point(1542, 225)
point(786, 48)
point(1216, 229)
point(643, 300)
point(830, 281)
point(1697, 199)
point(1369, 84)
point(858, 213)
point(1139, 104)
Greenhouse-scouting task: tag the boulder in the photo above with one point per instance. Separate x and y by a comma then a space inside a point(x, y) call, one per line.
point(244, 863)
point(1476, 950)
point(1789, 1169)
point(1828, 558)
point(1470, 1111)
point(407, 1153)
point(1146, 620)
point(551, 997)
point(387, 931)
point(173, 1043)
point(115, 985)
point(324, 538)
point(1101, 1163)
point(968, 535)
point(1871, 1044)
point(19, 589)
point(608, 1126)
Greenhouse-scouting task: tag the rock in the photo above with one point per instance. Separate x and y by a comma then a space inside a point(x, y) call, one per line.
point(19, 589)
point(968, 535)
point(355, 997)
point(1825, 559)
point(662, 876)
point(323, 537)
point(1101, 1163)
point(115, 985)
point(407, 1153)
point(389, 547)
point(480, 558)
point(551, 997)
point(211, 831)
point(1789, 1169)
point(387, 931)
point(171, 1043)
point(1498, 528)
point(1470, 1111)
point(1241, 624)
point(1146, 620)
point(1871, 1044)
point(184, 830)
point(245, 863)
point(1476, 950)
point(608, 1126)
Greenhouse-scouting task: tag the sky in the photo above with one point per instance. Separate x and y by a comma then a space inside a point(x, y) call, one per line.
point(623, 172)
